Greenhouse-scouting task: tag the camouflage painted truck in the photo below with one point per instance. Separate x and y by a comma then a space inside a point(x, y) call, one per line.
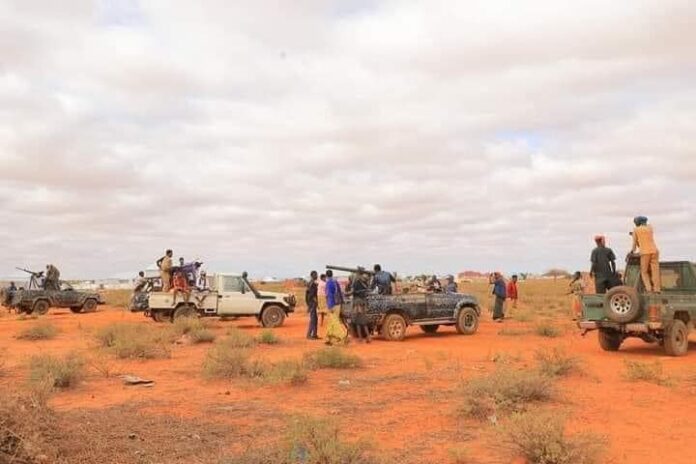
point(39, 301)
point(227, 295)
point(627, 311)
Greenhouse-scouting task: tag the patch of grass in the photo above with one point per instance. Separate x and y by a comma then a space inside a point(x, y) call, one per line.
point(268, 337)
point(504, 391)
point(101, 364)
point(24, 423)
point(238, 339)
point(117, 298)
point(135, 341)
point(637, 371)
point(540, 438)
point(293, 372)
point(57, 372)
point(555, 362)
point(310, 441)
point(224, 361)
point(523, 316)
point(40, 331)
point(504, 358)
point(332, 358)
point(512, 332)
point(546, 329)
point(194, 328)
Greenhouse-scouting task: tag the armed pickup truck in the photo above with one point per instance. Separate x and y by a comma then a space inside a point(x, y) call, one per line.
point(39, 301)
point(627, 311)
point(228, 295)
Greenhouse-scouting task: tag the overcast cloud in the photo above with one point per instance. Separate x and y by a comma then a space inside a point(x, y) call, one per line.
point(279, 136)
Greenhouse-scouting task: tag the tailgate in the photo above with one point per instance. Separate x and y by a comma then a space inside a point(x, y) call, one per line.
point(593, 308)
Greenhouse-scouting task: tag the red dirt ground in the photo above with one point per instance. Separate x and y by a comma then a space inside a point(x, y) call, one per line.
point(403, 399)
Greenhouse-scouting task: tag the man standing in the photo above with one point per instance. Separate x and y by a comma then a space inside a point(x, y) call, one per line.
point(333, 292)
point(52, 280)
point(382, 281)
point(165, 266)
point(312, 299)
point(499, 291)
point(451, 286)
point(603, 265)
point(512, 291)
point(322, 299)
point(360, 289)
point(644, 240)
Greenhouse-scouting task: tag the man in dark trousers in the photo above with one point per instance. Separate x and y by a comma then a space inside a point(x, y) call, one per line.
point(500, 292)
point(312, 299)
point(603, 265)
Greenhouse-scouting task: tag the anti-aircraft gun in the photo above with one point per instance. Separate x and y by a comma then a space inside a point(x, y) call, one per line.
point(352, 270)
point(34, 279)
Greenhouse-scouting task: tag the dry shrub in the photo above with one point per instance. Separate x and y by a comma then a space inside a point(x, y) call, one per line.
point(268, 337)
point(555, 362)
point(505, 390)
point(40, 331)
point(289, 371)
point(332, 358)
point(546, 329)
point(117, 298)
point(239, 339)
point(637, 371)
point(135, 341)
point(539, 437)
point(310, 441)
point(194, 328)
point(224, 361)
point(24, 423)
point(57, 372)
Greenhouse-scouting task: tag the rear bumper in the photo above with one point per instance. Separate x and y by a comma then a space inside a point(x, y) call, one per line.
point(641, 327)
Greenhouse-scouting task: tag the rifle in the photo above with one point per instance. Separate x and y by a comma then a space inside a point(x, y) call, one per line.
point(350, 269)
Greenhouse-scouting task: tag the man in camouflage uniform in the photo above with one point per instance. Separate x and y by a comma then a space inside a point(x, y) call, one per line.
point(52, 280)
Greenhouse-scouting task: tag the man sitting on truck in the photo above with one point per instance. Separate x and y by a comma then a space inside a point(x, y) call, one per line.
point(644, 240)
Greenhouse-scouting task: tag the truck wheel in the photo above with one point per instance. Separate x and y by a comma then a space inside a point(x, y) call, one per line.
point(273, 316)
point(610, 340)
point(394, 327)
point(185, 310)
point(40, 307)
point(622, 304)
point(162, 316)
point(89, 306)
point(467, 321)
point(676, 338)
point(76, 309)
point(430, 329)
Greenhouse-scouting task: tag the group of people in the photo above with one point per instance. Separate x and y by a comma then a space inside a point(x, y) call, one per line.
point(179, 278)
point(503, 291)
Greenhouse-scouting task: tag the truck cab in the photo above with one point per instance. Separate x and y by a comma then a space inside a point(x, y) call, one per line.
point(225, 295)
point(629, 311)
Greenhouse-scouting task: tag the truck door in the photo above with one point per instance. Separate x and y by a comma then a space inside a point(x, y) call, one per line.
point(235, 298)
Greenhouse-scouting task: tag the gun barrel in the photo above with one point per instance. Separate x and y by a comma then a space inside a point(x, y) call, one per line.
point(349, 269)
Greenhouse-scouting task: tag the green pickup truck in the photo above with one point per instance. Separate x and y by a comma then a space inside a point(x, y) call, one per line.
point(628, 311)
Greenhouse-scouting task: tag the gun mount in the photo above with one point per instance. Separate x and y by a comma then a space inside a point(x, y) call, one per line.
point(33, 282)
point(352, 270)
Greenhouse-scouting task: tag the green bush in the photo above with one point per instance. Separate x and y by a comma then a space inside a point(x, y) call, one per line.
point(40, 331)
point(194, 328)
point(268, 337)
point(136, 341)
point(555, 362)
point(332, 358)
point(504, 391)
point(57, 372)
point(539, 437)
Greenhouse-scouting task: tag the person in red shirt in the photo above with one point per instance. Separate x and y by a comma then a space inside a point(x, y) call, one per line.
point(512, 291)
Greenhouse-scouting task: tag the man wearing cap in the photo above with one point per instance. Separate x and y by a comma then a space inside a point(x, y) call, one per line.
point(603, 265)
point(644, 240)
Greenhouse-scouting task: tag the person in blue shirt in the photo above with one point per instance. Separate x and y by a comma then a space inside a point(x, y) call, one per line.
point(500, 293)
point(334, 296)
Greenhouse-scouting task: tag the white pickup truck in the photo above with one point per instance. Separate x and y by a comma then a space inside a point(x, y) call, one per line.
point(227, 295)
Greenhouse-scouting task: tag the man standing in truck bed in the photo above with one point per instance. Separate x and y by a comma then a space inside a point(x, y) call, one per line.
point(603, 265)
point(382, 281)
point(644, 240)
point(165, 266)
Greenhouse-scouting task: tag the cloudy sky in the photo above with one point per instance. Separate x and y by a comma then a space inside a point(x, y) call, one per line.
point(279, 136)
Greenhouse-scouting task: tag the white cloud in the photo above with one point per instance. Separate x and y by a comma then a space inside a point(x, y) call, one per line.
point(278, 136)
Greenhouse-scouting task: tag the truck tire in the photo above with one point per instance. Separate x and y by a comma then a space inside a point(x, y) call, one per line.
point(162, 316)
point(394, 328)
point(609, 340)
point(40, 307)
point(272, 316)
point(676, 338)
point(467, 321)
point(76, 309)
point(622, 304)
point(430, 329)
point(185, 310)
point(89, 306)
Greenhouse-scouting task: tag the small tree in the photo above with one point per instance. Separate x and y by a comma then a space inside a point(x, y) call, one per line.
point(556, 273)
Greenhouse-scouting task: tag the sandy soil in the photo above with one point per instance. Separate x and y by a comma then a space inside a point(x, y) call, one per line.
point(404, 399)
